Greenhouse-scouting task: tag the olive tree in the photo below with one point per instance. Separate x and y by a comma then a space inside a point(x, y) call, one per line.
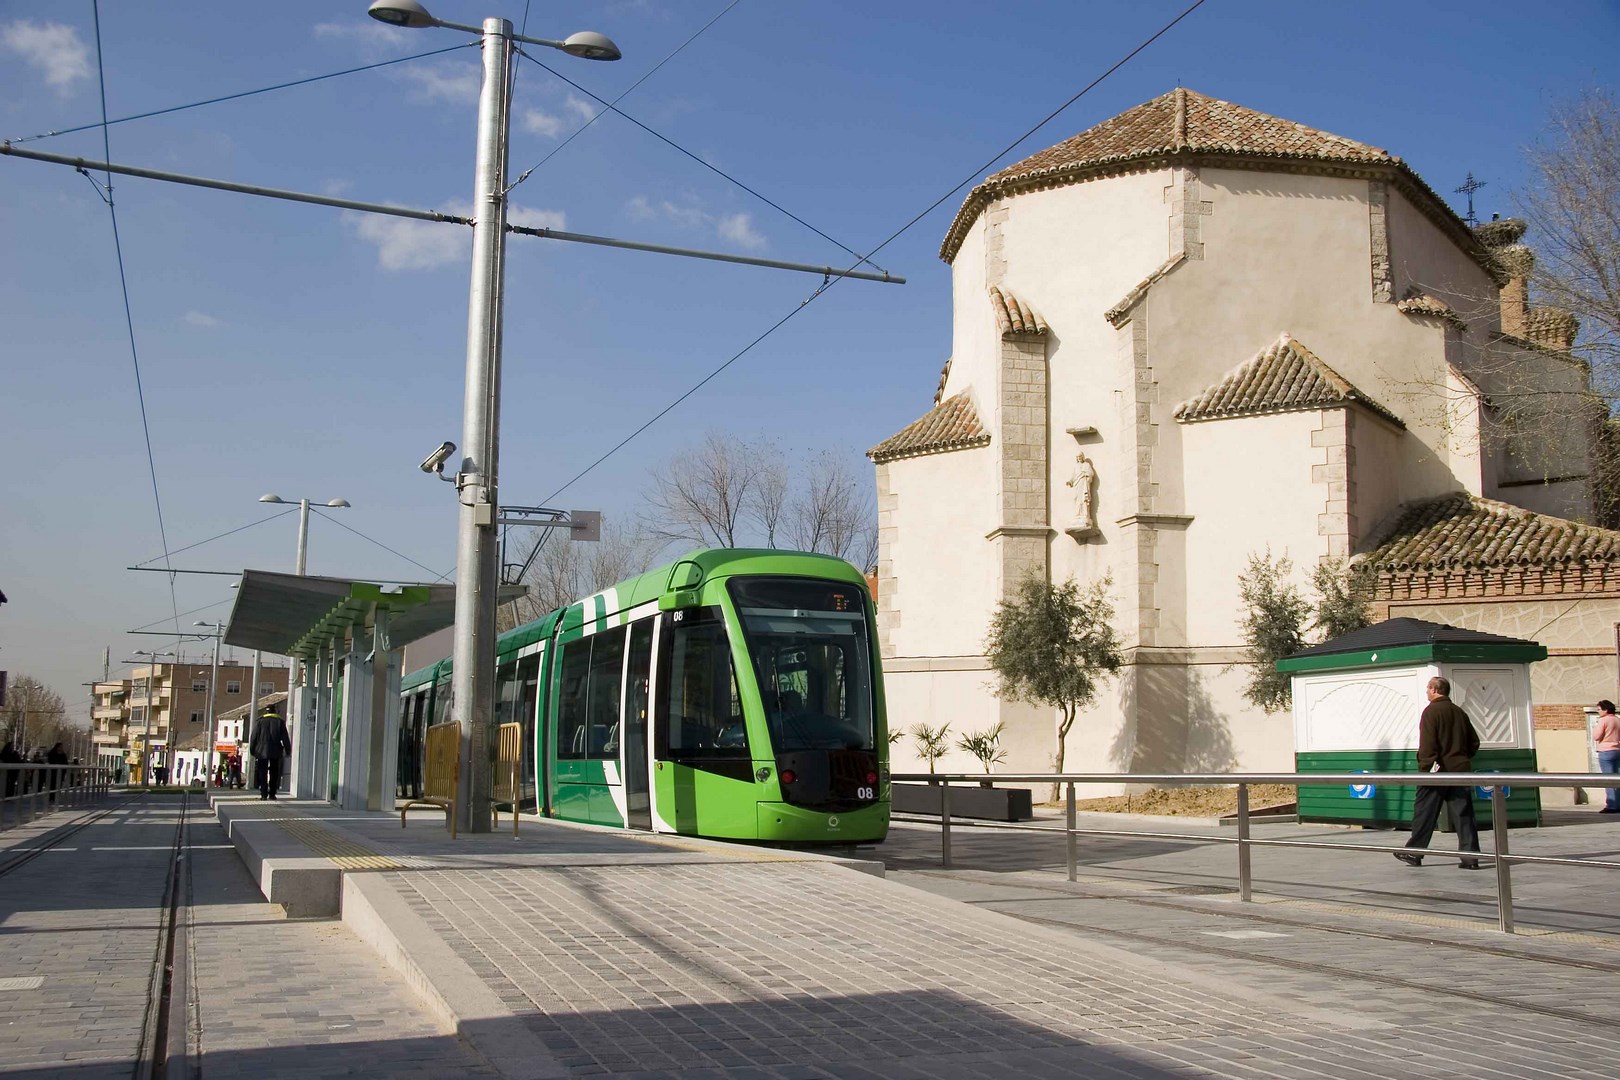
point(1054, 645)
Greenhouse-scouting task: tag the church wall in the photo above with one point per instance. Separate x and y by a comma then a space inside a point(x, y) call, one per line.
point(1294, 253)
point(1072, 253)
point(1543, 464)
point(1249, 484)
point(973, 328)
point(944, 580)
point(1428, 259)
point(1178, 711)
point(1377, 449)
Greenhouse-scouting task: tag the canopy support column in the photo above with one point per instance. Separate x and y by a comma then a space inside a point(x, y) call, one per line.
point(354, 744)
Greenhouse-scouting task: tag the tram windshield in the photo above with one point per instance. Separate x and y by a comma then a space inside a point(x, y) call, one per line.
point(807, 640)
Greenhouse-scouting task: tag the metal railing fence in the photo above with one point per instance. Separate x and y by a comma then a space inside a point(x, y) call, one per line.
point(29, 790)
point(1245, 844)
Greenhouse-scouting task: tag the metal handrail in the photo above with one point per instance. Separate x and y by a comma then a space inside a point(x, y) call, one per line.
point(33, 788)
point(1495, 782)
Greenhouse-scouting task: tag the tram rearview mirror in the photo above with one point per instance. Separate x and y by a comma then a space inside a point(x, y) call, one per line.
point(680, 598)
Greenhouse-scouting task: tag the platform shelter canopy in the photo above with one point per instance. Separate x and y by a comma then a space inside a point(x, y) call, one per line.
point(296, 615)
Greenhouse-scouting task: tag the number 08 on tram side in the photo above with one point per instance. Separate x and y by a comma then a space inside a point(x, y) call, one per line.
point(733, 694)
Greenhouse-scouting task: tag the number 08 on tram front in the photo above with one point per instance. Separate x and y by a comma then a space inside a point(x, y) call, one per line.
point(733, 694)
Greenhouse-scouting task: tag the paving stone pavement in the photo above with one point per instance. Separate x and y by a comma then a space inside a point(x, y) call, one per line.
point(271, 997)
point(283, 998)
point(82, 918)
point(756, 967)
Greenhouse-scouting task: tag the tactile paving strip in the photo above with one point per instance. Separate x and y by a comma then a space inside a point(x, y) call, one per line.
point(342, 851)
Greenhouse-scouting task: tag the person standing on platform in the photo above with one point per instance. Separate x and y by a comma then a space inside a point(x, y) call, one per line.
point(270, 745)
point(9, 756)
point(56, 756)
point(1606, 737)
point(1447, 742)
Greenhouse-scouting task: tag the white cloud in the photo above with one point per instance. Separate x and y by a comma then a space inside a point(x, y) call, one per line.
point(440, 81)
point(53, 48)
point(737, 228)
point(405, 244)
point(542, 123)
point(373, 37)
point(585, 110)
point(443, 82)
point(197, 318)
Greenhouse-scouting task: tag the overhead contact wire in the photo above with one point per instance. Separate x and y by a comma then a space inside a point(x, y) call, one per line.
point(129, 322)
point(237, 96)
point(379, 543)
point(211, 539)
point(825, 285)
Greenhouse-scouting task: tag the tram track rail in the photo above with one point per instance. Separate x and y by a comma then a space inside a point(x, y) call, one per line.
point(53, 839)
point(162, 1051)
point(1447, 989)
point(1140, 899)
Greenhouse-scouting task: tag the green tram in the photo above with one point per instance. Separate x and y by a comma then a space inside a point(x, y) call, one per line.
point(734, 694)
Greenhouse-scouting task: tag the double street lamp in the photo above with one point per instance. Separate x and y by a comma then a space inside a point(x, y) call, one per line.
point(303, 522)
point(477, 562)
point(294, 676)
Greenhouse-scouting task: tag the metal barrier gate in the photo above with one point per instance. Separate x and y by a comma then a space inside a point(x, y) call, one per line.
point(442, 769)
point(508, 766)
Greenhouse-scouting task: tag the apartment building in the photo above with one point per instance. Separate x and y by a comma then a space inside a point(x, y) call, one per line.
point(164, 707)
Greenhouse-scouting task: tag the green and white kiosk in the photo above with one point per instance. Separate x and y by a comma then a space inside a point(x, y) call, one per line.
point(1358, 697)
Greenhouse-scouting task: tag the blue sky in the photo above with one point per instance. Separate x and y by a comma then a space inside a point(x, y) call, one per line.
point(306, 351)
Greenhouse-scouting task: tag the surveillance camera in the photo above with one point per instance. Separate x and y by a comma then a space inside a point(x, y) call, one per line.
point(434, 462)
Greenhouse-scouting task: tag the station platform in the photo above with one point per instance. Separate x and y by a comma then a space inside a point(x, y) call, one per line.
point(578, 951)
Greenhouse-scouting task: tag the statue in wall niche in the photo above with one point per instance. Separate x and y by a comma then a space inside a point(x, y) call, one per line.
point(1084, 483)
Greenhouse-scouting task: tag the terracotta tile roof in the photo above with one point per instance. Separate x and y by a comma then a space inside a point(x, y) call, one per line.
point(1459, 531)
point(1187, 124)
point(1014, 316)
point(1186, 120)
point(951, 425)
point(1421, 303)
point(1284, 377)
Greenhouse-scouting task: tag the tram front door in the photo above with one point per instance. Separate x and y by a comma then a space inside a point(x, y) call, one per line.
point(637, 794)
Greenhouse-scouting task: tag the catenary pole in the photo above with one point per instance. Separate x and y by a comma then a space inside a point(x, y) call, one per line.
point(477, 482)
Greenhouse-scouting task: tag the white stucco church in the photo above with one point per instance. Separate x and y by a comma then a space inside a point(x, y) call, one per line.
point(1184, 335)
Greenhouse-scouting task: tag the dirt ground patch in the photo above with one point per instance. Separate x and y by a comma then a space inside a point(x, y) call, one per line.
point(1191, 801)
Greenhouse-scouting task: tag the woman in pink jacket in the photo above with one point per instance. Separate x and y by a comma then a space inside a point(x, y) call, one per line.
point(1606, 736)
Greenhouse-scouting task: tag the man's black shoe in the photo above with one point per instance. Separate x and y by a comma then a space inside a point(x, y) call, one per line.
point(1476, 864)
point(1409, 859)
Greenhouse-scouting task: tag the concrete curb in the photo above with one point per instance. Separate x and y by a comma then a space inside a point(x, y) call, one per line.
point(307, 886)
point(455, 996)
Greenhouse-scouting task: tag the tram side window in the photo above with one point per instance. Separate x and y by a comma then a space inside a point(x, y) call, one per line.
point(588, 704)
point(700, 712)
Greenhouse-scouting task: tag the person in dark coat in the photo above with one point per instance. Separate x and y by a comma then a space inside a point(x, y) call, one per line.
point(9, 756)
point(1447, 742)
point(270, 746)
point(56, 756)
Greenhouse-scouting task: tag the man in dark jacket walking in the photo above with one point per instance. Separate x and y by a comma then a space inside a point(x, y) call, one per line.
point(269, 745)
point(1446, 743)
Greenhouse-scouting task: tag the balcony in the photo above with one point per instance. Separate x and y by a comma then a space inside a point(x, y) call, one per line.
point(107, 712)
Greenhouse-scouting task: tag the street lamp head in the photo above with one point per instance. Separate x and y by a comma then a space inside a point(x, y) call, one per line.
point(589, 45)
point(337, 502)
point(271, 499)
point(406, 13)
